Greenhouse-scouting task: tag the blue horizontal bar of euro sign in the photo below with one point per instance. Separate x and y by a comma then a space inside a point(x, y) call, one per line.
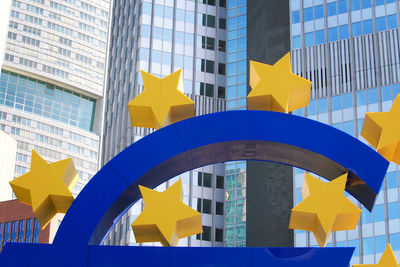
point(214, 138)
point(47, 255)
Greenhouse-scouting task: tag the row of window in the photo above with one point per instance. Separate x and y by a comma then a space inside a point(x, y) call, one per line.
point(33, 95)
point(22, 231)
point(206, 180)
point(334, 8)
point(342, 32)
point(206, 235)
point(183, 15)
point(205, 206)
point(345, 101)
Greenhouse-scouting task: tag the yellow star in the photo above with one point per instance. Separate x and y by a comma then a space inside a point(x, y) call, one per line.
point(324, 209)
point(161, 103)
point(166, 218)
point(46, 187)
point(382, 131)
point(387, 260)
point(276, 88)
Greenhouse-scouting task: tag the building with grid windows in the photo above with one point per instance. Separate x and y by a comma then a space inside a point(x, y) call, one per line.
point(161, 37)
point(349, 49)
point(51, 83)
point(18, 224)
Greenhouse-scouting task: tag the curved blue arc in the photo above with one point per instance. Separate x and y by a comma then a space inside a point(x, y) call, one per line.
point(114, 187)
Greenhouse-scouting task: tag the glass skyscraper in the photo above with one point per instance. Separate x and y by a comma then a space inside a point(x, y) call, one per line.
point(160, 37)
point(349, 49)
point(51, 83)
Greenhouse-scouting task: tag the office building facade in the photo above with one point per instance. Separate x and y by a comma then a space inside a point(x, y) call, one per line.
point(51, 84)
point(19, 225)
point(349, 49)
point(160, 37)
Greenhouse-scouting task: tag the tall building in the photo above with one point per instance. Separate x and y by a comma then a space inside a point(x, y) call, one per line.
point(161, 37)
point(349, 49)
point(51, 84)
point(7, 164)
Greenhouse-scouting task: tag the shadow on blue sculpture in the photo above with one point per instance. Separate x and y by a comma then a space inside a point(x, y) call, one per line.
point(213, 138)
point(45, 255)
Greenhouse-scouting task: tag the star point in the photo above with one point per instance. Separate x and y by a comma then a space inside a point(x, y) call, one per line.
point(166, 218)
point(324, 209)
point(46, 187)
point(276, 88)
point(382, 131)
point(161, 103)
point(387, 260)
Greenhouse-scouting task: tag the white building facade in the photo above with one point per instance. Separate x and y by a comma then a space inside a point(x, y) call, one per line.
point(51, 84)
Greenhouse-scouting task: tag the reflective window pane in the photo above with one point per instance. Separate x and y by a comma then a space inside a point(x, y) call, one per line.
point(308, 14)
point(295, 16)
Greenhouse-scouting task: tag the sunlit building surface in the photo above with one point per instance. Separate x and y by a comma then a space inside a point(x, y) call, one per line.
point(7, 164)
point(51, 84)
point(161, 37)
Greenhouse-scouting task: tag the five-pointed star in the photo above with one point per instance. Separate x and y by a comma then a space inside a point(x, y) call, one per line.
point(166, 218)
point(46, 187)
point(161, 103)
point(324, 209)
point(387, 260)
point(382, 131)
point(276, 88)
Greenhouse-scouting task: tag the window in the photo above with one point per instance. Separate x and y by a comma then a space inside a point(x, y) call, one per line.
point(21, 231)
point(355, 5)
point(342, 6)
point(222, 3)
point(207, 66)
point(221, 46)
point(380, 24)
point(6, 231)
point(208, 20)
point(333, 34)
point(222, 23)
point(36, 232)
point(319, 11)
point(221, 92)
point(206, 235)
point(209, 2)
point(309, 39)
point(296, 42)
point(295, 16)
point(207, 89)
point(366, 3)
point(367, 26)
point(219, 208)
point(331, 8)
point(392, 22)
point(14, 228)
point(320, 37)
point(356, 29)
point(219, 235)
point(221, 68)
point(220, 182)
point(343, 32)
point(308, 14)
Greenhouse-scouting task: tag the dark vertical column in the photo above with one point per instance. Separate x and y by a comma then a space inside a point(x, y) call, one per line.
point(269, 185)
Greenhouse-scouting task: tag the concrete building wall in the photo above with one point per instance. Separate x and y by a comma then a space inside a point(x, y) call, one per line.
point(4, 19)
point(7, 164)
